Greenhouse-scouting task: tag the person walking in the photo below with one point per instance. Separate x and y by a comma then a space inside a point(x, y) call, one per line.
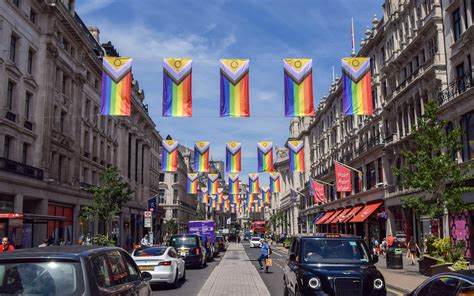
point(264, 254)
point(413, 249)
point(6, 245)
point(145, 242)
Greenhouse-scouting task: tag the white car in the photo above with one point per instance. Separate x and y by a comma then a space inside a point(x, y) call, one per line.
point(163, 263)
point(255, 242)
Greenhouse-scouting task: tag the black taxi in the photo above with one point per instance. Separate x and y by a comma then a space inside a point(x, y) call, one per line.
point(332, 264)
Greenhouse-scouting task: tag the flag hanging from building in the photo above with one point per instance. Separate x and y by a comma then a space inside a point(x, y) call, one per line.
point(293, 195)
point(266, 194)
point(192, 183)
point(356, 86)
point(254, 184)
point(296, 156)
point(177, 80)
point(343, 178)
point(204, 195)
point(213, 183)
point(169, 156)
point(233, 208)
point(274, 182)
point(227, 205)
point(213, 202)
point(234, 88)
point(298, 87)
point(218, 207)
point(234, 184)
point(265, 156)
point(317, 190)
point(201, 156)
point(116, 86)
point(233, 157)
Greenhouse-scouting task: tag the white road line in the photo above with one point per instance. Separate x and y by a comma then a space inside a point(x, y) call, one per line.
point(395, 292)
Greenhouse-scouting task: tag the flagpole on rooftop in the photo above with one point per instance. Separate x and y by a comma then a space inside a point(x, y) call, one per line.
point(349, 167)
point(352, 35)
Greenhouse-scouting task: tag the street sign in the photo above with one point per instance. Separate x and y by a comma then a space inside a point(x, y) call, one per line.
point(152, 204)
point(147, 214)
point(147, 217)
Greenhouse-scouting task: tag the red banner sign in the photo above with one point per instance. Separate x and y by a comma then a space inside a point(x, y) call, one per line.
point(343, 178)
point(318, 191)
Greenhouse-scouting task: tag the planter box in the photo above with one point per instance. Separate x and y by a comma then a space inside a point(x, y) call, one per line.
point(425, 264)
point(440, 268)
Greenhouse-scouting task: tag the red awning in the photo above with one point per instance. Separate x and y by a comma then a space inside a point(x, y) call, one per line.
point(339, 218)
point(366, 212)
point(11, 215)
point(352, 213)
point(336, 214)
point(325, 217)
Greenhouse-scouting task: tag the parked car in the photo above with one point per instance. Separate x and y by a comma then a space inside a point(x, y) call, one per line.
point(163, 263)
point(71, 270)
point(191, 248)
point(459, 283)
point(255, 242)
point(332, 264)
point(221, 244)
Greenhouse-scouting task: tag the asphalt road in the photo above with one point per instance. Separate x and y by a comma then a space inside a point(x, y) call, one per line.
point(195, 279)
point(274, 279)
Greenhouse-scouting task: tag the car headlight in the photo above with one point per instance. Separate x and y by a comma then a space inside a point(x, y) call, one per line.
point(314, 283)
point(378, 284)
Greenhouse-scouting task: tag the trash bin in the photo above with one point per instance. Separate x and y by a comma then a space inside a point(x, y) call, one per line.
point(394, 258)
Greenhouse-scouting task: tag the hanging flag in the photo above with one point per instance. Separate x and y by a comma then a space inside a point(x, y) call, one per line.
point(233, 157)
point(317, 190)
point(201, 156)
point(254, 186)
point(204, 196)
point(298, 87)
point(293, 195)
point(220, 195)
point(218, 207)
point(234, 88)
point(116, 86)
point(227, 205)
point(296, 156)
point(265, 156)
point(169, 156)
point(177, 80)
point(260, 203)
point(343, 178)
point(234, 183)
point(192, 183)
point(233, 198)
point(233, 208)
point(274, 182)
point(212, 183)
point(213, 202)
point(266, 194)
point(356, 86)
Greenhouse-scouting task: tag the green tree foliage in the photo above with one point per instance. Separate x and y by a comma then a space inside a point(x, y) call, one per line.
point(430, 166)
point(109, 198)
point(276, 219)
point(170, 227)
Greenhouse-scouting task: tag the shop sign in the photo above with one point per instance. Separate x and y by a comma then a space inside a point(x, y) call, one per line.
point(147, 217)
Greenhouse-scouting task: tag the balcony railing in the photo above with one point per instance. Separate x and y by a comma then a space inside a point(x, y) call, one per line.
point(20, 169)
point(454, 89)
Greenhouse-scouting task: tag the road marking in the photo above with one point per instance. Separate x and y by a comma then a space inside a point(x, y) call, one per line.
point(398, 293)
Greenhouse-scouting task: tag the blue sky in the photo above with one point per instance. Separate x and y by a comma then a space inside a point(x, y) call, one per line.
point(264, 31)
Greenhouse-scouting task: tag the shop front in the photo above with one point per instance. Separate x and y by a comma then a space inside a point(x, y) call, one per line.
point(369, 222)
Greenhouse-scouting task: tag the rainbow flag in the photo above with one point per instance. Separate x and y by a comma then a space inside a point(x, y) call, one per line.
point(116, 86)
point(213, 203)
point(234, 88)
point(260, 203)
point(356, 86)
point(298, 87)
point(177, 80)
point(204, 196)
point(233, 198)
point(233, 157)
point(233, 208)
point(212, 183)
point(201, 156)
point(192, 183)
point(267, 194)
point(274, 182)
point(254, 183)
point(296, 149)
point(265, 156)
point(234, 183)
point(218, 207)
point(227, 206)
point(169, 156)
point(220, 195)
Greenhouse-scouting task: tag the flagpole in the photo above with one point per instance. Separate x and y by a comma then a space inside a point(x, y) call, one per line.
point(349, 167)
point(322, 182)
point(352, 35)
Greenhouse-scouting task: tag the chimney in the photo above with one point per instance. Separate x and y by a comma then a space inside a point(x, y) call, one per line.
point(95, 33)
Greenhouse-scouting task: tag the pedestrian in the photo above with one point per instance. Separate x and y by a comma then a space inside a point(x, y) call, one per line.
point(61, 241)
point(264, 255)
point(383, 246)
point(88, 241)
point(413, 249)
point(145, 242)
point(390, 240)
point(44, 244)
point(238, 239)
point(6, 246)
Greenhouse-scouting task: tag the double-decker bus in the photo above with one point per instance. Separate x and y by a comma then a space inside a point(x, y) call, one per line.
point(258, 228)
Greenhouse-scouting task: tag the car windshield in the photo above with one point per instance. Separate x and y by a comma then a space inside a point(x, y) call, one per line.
point(40, 278)
point(184, 241)
point(255, 238)
point(149, 252)
point(334, 251)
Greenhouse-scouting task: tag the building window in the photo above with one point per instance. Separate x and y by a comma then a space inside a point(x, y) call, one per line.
point(13, 44)
point(16, 3)
point(175, 196)
point(175, 178)
point(10, 92)
point(60, 168)
point(162, 177)
point(33, 16)
point(380, 169)
point(7, 147)
point(457, 28)
point(161, 196)
point(24, 153)
point(467, 126)
point(62, 123)
point(31, 55)
point(64, 84)
point(28, 99)
point(175, 213)
point(460, 77)
point(370, 176)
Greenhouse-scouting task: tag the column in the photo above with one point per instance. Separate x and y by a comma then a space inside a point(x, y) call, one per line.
point(139, 161)
point(18, 204)
point(133, 159)
point(295, 219)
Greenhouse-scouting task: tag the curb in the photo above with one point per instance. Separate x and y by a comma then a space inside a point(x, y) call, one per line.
point(393, 287)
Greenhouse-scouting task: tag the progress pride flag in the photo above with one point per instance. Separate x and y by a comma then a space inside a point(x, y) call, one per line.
point(343, 178)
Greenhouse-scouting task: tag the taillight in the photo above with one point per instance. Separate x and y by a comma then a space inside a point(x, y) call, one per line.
point(198, 251)
point(165, 263)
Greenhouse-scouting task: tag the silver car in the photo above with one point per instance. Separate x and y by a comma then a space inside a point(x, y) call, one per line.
point(163, 263)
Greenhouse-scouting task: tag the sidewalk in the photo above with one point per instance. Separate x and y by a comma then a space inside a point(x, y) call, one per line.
point(234, 275)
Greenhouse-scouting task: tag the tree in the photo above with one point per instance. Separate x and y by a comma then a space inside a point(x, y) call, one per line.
point(276, 219)
point(108, 199)
point(170, 227)
point(432, 168)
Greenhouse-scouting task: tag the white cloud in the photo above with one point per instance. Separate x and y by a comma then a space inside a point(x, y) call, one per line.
point(90, 6)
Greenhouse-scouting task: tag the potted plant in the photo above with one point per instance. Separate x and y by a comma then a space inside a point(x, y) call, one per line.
point(444, 257)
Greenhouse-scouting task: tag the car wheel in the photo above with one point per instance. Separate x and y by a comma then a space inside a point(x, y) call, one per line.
point(176, 279)
point(184, 275)
point(202, 264)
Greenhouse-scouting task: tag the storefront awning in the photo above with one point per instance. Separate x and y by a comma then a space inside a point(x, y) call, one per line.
point(352, 213)
point(366, 212)
point(318, 216)
point(336, 214)
point(339, 218)
point(325, 217)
